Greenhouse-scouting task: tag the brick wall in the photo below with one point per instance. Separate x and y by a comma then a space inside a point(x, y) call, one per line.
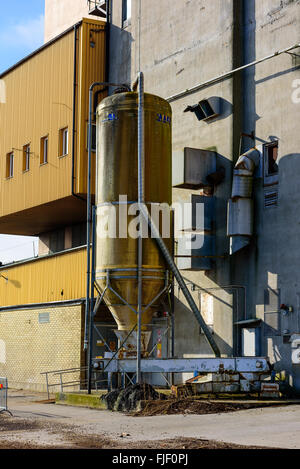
point(37, 340)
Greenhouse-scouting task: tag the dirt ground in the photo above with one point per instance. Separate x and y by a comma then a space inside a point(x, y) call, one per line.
point(54, 436)
point(37, 423)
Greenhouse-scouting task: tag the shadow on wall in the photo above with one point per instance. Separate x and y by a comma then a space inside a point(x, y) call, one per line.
point(273, 276)
point(189, 338)
point(120, 55)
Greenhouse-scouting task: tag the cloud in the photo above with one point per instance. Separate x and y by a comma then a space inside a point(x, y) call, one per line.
point(27, 34)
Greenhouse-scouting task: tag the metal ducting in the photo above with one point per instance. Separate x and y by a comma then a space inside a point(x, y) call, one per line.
point(240, 205)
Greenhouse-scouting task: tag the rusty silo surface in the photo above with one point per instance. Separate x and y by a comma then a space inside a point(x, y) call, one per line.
point(117, 175)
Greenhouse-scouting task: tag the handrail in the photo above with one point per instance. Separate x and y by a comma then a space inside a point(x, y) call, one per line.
point(62, 384)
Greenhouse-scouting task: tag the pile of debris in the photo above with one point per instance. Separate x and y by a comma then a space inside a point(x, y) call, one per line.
point(128, 399)
point(191, 406)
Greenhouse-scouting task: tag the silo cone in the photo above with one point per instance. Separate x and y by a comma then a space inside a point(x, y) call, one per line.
point(117, 175)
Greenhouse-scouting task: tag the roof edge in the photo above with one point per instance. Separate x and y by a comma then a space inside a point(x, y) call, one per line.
point(49, 43)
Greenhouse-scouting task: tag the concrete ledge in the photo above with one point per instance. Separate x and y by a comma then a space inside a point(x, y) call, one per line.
point(92, 401)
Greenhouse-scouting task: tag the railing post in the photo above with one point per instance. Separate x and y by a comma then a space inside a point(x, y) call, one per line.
point(47, 384)
point(61, 384)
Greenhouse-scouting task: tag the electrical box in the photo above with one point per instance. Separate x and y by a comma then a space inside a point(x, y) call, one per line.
point(191, 166)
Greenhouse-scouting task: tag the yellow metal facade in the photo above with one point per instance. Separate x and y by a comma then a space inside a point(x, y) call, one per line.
point(39, 103)
point(53, 278)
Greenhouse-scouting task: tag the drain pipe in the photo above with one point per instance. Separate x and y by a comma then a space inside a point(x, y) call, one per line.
point(76, 29)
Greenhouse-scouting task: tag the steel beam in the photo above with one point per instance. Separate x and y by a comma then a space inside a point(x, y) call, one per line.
point(186, 365)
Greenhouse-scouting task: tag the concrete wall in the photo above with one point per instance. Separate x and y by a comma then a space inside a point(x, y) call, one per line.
point(29, 348)
point(61, 15)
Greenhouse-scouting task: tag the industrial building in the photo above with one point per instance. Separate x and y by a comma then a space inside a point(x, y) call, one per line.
point(230, 72)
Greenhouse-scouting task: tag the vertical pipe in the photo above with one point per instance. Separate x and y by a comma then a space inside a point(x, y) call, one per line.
point(88, 209)
point(141, 164)
point(76, 28)
point(91, 319)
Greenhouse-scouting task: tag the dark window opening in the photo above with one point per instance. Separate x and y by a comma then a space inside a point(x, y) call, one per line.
point(26, 158)
point(272, 155)
point(79, 235)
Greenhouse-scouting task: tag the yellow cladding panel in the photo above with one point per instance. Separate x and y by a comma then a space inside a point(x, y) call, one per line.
point(92, 69)
point(39, 103)
point(59, 277)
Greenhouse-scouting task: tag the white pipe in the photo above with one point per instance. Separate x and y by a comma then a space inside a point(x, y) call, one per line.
point(141, 197)
point(227, 74)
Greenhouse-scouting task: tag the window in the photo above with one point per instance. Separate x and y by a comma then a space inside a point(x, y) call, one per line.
point(63, 142)
point(94, 137)
point(26, 158)
point(44, 150)
point(44, 318)
point(10, 165)
point(126, 13)
point(57, 240)
point(270, 163)
point(272, 154)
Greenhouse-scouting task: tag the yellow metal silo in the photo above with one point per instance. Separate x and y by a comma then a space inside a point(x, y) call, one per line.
point(117, 180)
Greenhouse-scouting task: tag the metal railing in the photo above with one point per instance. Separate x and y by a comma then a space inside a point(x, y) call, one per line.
point(3, 395)
point(59, 376)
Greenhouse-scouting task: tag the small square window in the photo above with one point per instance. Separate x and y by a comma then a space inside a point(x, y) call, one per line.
point(44, 318)
point(63, 141)
point(10, 165)
point(44, 150)
point(26, 158)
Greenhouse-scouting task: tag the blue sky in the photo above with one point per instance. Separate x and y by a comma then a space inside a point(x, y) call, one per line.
point(21, 32)
point(21, 29)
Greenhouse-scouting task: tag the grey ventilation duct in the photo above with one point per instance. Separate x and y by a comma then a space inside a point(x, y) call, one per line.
point(240, 205)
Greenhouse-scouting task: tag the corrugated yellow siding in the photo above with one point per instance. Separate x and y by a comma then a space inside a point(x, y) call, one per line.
point(58, 277)
point(39, 103)
point(92, 70)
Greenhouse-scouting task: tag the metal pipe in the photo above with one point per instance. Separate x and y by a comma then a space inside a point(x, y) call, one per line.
point(228, 74)
point(88, 236)
point(141, 196)
point(91, 325)
point(155, 233)
point(76, 27)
